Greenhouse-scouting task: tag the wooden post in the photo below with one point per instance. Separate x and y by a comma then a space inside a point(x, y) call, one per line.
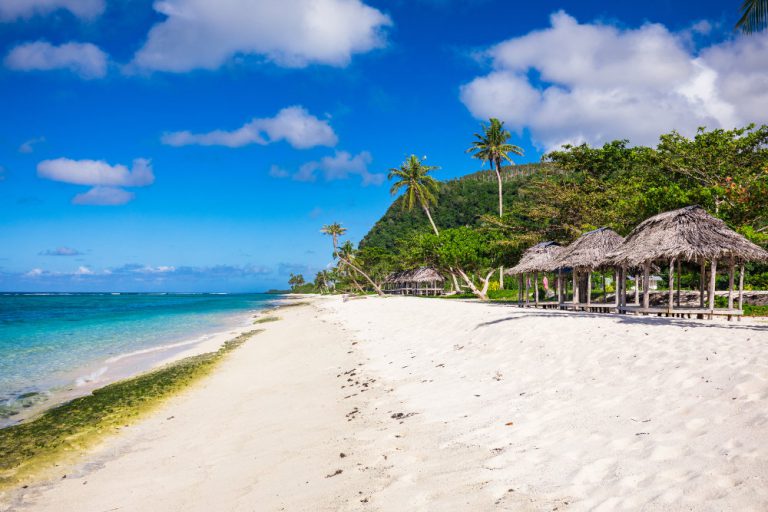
point(575, 287)
point(520, 290)
point(616, 289)
point(702, 277)
point(671, 283)
point(559, 287)
point(731, 277)
point(646, 284)
point(623, 274)
point(536, 289)
point(741, 288)
point(711, 292)
point(679, 282)
point(501, 277)
point(589, 288)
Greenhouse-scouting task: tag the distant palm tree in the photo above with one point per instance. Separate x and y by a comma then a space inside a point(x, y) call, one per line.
point(492, 145)
point(420, 187)
point(754, 16)
point(335, 230)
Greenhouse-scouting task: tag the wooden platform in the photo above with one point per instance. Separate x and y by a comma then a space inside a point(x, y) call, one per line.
point(682, 312)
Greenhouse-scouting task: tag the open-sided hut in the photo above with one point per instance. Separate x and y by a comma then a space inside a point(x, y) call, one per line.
point(691, 235)
point(539, 258)
point(585, 255)
point(419, 281)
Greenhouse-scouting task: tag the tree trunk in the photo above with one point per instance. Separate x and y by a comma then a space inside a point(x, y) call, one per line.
point(359, 271)
point(429, 216)
point(482, 294)
point(501, 192)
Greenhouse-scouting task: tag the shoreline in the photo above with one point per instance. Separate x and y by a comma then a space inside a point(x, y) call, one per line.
point(401, 404)
point(93, 376)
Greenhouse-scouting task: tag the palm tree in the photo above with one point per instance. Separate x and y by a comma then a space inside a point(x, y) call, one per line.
point(335, 230)
point(754, 16)
point(420, 187)
point(346, 252)
point(492, 145)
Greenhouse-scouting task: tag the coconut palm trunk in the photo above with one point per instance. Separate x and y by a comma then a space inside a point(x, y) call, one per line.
point(501, 214)
point(366, 276)
point(429, 216)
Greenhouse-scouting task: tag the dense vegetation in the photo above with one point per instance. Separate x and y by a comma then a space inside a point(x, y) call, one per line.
point(460, 202)
point(573, 190)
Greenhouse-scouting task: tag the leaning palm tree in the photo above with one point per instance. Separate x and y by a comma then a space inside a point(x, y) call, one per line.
point(335, 230)
point(419, 187)
point(754, 16)
point(492, 145)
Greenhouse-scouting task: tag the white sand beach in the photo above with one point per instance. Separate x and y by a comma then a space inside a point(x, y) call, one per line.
point(422, 404)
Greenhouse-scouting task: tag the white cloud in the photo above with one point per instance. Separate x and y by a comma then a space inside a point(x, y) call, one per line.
point(97, 172)
point(574, 83)
point(83, 271)
point(35, 272)
point(28, 146)
point(84, 59)
point(292, 33)
point(293, 124)
point(103, 177)
point(104, 196)
point(15, 9)
point(341, 166)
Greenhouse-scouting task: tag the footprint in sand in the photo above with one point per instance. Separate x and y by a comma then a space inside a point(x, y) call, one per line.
point(595, 472)
point(696, 423)
point(665, 453)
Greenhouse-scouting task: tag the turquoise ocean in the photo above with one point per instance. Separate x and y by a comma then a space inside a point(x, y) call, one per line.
point(53, 342)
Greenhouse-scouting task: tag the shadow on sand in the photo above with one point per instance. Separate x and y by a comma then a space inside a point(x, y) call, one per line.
point(625, 319)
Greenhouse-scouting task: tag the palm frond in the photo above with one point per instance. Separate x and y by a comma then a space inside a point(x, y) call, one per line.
point(754, 16)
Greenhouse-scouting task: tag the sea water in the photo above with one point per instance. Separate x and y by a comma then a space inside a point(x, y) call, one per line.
point(50, 342)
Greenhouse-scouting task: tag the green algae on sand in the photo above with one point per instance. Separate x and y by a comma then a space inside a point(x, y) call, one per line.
point(68, 429)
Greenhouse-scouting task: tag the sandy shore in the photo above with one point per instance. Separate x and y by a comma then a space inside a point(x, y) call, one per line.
point(418, 404)
point(85, 380)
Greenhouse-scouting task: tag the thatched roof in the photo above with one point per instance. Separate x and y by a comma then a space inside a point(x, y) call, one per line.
point(417, 275)
point(589, 250)
point(538, 258)
point(689, 233)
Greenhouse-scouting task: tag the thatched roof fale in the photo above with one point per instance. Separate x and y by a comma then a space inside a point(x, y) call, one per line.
point(589, 251)
point(417, 275)
point(538, 258)
point(689, 233)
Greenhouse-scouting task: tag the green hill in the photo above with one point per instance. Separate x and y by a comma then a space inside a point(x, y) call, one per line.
point(461, 202)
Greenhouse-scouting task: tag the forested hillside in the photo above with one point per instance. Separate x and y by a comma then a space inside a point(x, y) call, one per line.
point(461, 202)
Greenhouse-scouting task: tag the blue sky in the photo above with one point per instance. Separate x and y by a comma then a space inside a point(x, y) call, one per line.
point(189, 145)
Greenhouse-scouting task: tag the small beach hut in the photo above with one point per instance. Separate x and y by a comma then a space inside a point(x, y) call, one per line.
point(538, 258)
point(584, 256)
point(419, 281)
point(691, 235)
